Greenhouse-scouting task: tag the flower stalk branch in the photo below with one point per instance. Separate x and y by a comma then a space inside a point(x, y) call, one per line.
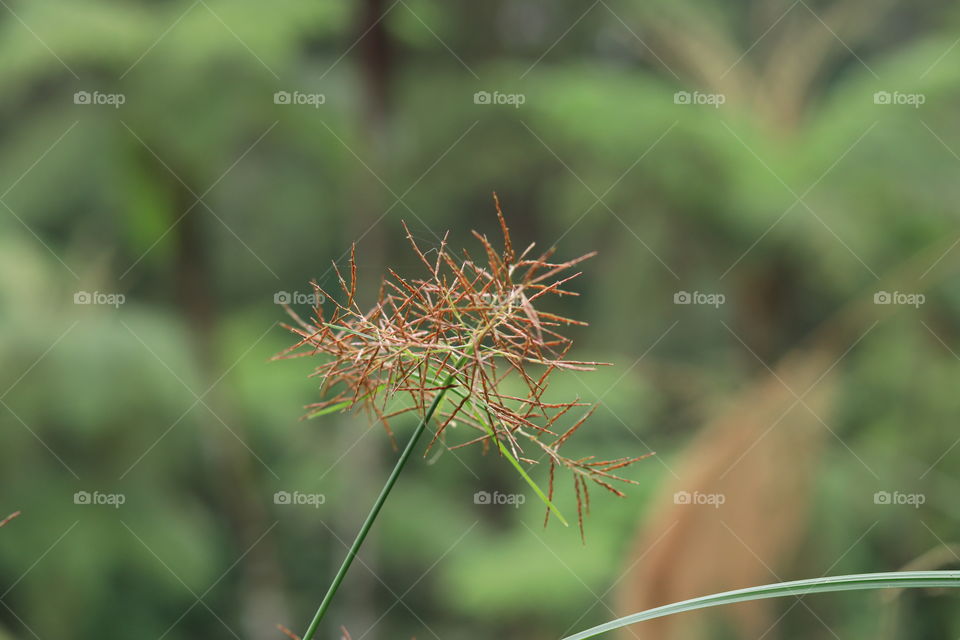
point(375, 511)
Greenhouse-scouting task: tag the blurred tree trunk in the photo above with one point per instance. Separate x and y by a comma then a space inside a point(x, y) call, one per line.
point(365, 470)
point(232, 474)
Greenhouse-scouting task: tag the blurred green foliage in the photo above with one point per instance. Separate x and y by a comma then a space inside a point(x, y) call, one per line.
point(200, 198)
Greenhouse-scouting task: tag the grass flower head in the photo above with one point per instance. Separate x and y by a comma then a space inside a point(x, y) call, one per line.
point(458, 339)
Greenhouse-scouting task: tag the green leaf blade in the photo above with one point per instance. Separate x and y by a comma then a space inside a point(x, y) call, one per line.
point(857, 582)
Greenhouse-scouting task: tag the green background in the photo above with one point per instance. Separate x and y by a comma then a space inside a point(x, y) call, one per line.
point(200, 198)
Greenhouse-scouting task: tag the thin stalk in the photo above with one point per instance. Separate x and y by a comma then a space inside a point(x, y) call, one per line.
point(381, 499)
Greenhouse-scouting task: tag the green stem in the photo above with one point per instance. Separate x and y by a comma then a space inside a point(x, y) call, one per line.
point(381, 499)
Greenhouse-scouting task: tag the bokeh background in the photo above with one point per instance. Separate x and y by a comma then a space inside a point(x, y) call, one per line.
point(167, 168)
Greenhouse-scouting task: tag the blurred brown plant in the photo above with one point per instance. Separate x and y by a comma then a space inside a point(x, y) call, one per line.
point(467, 330)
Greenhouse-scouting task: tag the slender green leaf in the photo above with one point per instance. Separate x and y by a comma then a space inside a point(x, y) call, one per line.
point(340, 406)
point(457, 391)
point(533, 485)
point(516, 464)
point(346, 404)
point(863, 581)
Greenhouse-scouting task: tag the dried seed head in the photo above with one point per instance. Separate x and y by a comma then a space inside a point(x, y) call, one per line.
point(475, 322)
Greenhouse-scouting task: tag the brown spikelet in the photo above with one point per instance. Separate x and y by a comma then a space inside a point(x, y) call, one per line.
point(9, 518)
point(287, 632)
point(476, 324)
point(553, 468)
point(576, 489)
point(507, 245)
